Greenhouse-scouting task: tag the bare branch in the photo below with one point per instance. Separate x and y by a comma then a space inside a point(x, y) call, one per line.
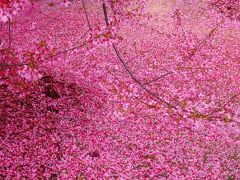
point(198, 46)
point(129, 71)
point(51, 56)
point(160, 77)
point(226, 103)
point(138, 82)
point(148, 105)
point(12, 65)
point(105, 14)
point(67, 50)
point(140, 54)
point(86, 14)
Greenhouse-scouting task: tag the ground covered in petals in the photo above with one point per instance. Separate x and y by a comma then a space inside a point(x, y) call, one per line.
point(167, 107)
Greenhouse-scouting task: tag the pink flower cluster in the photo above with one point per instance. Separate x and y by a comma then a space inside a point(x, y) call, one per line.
point(8, 9)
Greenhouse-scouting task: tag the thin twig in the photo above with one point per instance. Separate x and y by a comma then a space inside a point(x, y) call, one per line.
point(12, 65)
point(86, 14)
point(140, 54)
point(160, 77)
point(105, 14)
point(67, 50)
point(225, 104)
point(138, 82)
point(148, 105)
point(198, 46)
point(51, 56)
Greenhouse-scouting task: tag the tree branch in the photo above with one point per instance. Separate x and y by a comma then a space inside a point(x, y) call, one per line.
point(105, 14)
point(86, 14)
point(12, 65)
point(168, 104)
point(198, 46)
point(51, 56)
point(160, 77)
point(138, 82)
